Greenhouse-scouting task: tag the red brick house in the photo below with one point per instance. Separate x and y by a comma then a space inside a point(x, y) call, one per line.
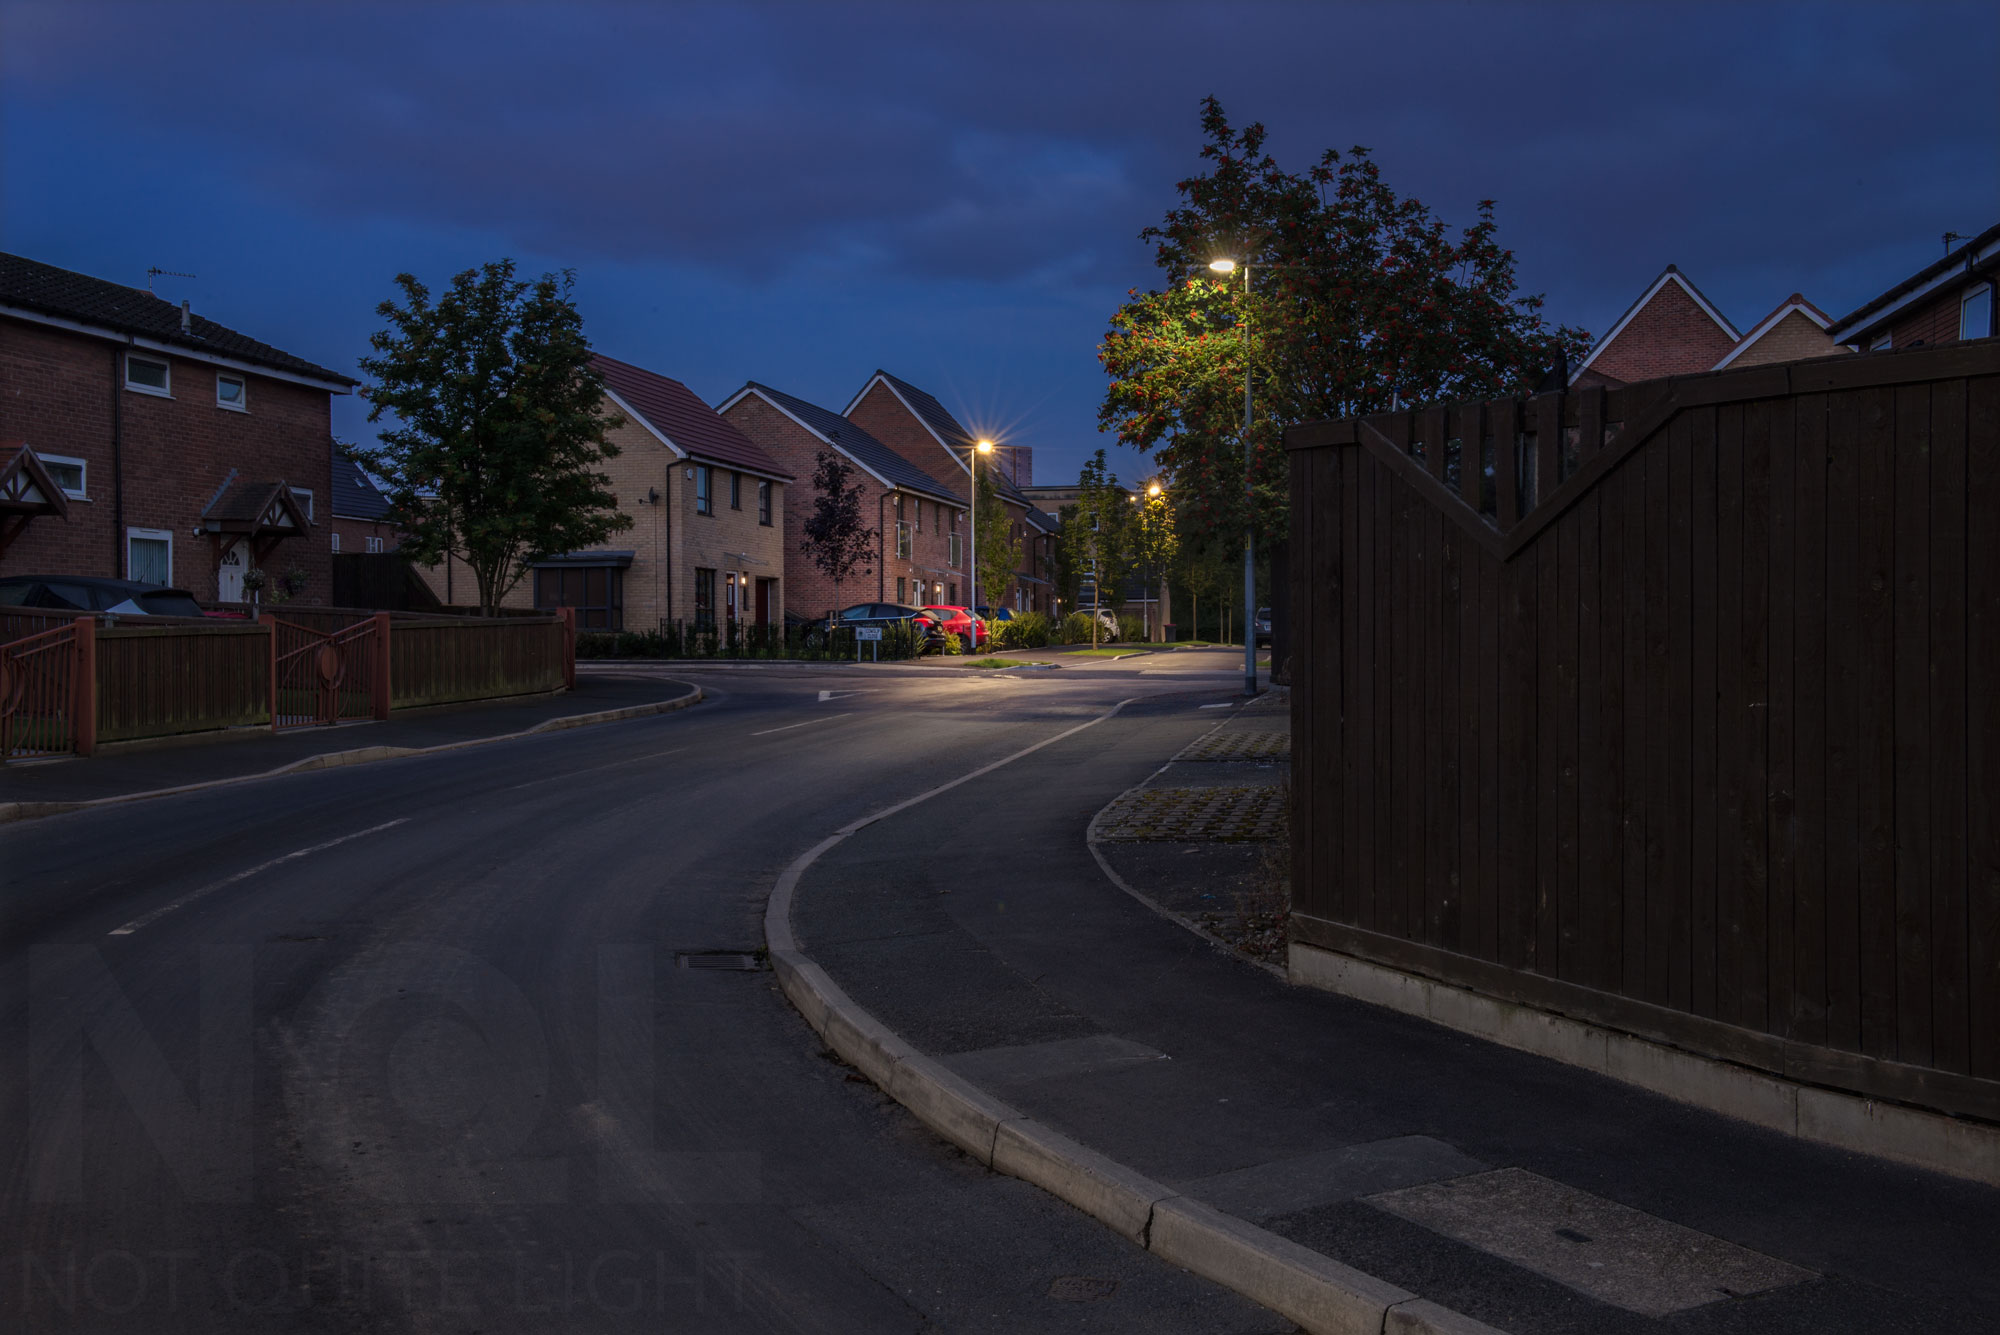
point(1672, 329)
point(186, 451)
point(360, 513)
point(919, 522)
point(1794, 332)
point(1950, 301)
point(916, 426)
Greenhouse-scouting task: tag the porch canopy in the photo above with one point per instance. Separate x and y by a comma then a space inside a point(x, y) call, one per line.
point(264, 512)
point(26, 491)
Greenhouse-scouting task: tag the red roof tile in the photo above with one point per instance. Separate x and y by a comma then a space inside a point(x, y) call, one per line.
point(676, 412)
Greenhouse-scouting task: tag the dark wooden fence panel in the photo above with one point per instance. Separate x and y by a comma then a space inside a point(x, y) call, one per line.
point(158, 682)
point(448, 659)
point(1682, 720)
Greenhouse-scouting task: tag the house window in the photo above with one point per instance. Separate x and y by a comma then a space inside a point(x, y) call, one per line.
point(336, 541)
point(1975, 313)
point(232, 392)
point(372, 544)
point(304, 496)
point(148, 375)
point(899, 505)
point(149, 555)
point(902, 589)
point(67, 473)
point(920, 515)
point(764, 504)
point(703, 503)
point(596, 592)
point(736, 491)
point(902, 539)
point(704, 597)
point(953, 563)
point(952, 597)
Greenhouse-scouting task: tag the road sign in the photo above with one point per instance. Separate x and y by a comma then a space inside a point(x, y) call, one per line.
point(867, 632)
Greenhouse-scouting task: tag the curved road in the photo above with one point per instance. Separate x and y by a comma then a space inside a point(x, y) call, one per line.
point(463, 1042)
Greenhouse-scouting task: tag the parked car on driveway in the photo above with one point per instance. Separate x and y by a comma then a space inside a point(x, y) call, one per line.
point(93, 593)
point(959, 621)
point(1263, 626)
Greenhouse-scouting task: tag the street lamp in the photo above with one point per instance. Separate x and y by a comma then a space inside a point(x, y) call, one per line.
point(972, 546)
point(1153, 493)
point(1229, 266)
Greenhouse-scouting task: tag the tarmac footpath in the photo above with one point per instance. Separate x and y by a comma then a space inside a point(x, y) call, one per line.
point(1352, 1168)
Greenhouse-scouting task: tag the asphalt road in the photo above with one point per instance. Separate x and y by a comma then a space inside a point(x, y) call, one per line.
point(439, 1043)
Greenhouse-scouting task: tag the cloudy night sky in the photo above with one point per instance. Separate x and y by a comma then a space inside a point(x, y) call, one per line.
point(800, 193)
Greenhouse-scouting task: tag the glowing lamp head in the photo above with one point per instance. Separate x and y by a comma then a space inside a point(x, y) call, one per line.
point(1223, 266)
point(1153, 490)
point(985, 447)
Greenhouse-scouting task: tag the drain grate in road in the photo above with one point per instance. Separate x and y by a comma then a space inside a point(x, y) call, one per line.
point(726, 961)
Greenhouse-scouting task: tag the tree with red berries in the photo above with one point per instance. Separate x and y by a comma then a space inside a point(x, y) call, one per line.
point(1361, 301)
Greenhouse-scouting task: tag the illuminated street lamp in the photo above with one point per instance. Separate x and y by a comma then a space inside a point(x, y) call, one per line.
point(1229, 266)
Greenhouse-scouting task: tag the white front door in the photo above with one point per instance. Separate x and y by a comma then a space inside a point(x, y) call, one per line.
point(229, 578)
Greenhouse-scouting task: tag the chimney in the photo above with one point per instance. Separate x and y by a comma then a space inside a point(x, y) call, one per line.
point(187, 319)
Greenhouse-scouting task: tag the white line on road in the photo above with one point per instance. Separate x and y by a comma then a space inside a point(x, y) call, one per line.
point(1226, 704)
point(591, 769)
point(808, 723)
point(164, 910)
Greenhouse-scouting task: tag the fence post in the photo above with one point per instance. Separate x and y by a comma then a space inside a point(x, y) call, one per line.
point(567, 616)
point(382, 623)
point(83, 706)
point(270, 625)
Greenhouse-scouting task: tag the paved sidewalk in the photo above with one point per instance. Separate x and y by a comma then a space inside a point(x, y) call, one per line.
point(119, 771)
point(1525, 1194)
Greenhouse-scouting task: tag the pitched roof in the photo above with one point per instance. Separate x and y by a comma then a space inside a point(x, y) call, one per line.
point(1975, 254)
point(1670, 274)
point(25, 484)
point(30, 285)
point(855, 443)
point(1042, 520)
point(1795, 302)
point(354, 495)
point(677, 415)
point(938, 420)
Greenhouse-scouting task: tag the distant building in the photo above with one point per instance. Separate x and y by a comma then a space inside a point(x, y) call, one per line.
point(186, 452)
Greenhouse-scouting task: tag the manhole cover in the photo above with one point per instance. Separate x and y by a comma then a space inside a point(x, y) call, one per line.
point(728, 961)
point(1081, 1288)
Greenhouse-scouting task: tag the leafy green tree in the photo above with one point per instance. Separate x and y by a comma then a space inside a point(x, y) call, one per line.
point(999, 548)
point(1361, 300)
point(1202, 568)
point(1096, 539)
point(498, 425)
point(836, 537)
point(1153, 539)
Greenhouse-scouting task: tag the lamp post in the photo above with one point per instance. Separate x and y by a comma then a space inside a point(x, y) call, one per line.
point(1227, 266)
point(972, 546)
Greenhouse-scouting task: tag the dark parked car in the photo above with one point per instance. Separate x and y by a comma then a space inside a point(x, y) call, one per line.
point(91, 593)
point(1263, 626)
point(873, 614)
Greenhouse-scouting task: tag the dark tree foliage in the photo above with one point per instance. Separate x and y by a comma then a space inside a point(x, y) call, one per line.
point(1360, 300)
point(499, 424)
point(837, 539)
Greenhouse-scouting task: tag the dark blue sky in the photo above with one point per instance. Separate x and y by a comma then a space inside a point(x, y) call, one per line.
point(801, 193)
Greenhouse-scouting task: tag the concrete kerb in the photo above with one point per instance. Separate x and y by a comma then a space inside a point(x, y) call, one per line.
point(13, 811)
point(1320, 1294)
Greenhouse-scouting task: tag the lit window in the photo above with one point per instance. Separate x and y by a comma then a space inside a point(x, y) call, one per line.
point(67, 473)
point(232, 392)
point(148, 375)
point(1975, 313)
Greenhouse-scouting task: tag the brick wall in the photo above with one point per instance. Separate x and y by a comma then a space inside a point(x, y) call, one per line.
point(60, 390)
point(1670, 335)
point(1794, 338)
point(353, 534)
point(723, 538)
point(1934, 323)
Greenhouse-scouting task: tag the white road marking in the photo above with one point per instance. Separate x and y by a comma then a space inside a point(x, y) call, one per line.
point(1226, 704)
point(808, 723)
point(245, 875)
point(589, 769)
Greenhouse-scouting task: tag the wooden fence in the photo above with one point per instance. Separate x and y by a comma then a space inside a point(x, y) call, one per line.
point(1681, 719)
point(67, 683)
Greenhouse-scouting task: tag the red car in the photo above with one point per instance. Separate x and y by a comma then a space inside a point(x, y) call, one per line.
point(958, 621)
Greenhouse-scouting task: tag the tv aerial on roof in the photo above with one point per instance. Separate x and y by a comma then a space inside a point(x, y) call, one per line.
point(155, 271)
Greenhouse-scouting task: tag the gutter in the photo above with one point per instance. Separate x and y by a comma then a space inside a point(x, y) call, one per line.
point(1886, 307)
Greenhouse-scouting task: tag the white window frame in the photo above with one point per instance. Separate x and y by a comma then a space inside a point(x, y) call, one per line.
point(1977, 290)
point(165, 391)
point(305, 494)
point(82, 492)
point(150, 535)
point(372, 544)
point(335, 535)
point(242, 404)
